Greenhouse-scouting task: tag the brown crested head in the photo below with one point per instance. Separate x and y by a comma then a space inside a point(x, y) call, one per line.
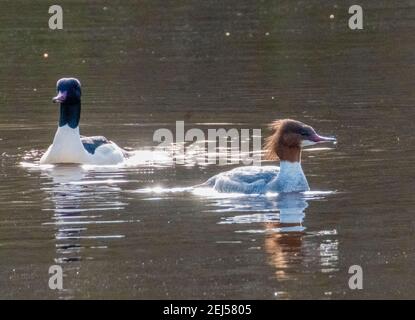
point(288, 137)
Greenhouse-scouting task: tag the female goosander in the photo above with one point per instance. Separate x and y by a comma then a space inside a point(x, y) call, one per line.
point(68, 145)
point(287, 138)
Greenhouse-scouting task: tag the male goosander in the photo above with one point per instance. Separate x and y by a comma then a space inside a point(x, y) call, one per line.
point(68, 145)
point(287, 138)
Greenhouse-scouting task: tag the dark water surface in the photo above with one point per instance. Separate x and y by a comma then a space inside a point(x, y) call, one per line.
point(235, 64)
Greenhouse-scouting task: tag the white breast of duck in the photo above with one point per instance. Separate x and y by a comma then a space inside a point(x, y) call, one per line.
point(286, 141)
point(68, 145)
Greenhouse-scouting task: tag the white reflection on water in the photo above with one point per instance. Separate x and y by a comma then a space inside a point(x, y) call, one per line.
point(85, 197)
point(77, 200)
point(283, 208)
point(84, 200)
point(280, 217)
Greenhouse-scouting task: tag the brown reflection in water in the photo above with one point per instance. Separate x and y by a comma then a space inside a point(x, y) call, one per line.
point(288, 244)
point(281, 248)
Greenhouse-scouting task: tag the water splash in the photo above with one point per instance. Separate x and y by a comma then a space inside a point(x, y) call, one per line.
point(137, 158)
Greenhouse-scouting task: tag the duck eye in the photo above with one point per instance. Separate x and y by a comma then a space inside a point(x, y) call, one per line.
point(304, 132)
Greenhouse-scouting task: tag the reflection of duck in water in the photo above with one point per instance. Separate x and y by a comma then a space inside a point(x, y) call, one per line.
point(285, 210)
point(288, 245)
point(284, 239)
point(280, 218)
point(68, 146)
point(76, 201)
point(292, 208)
point(67, 205)
point(286, 141)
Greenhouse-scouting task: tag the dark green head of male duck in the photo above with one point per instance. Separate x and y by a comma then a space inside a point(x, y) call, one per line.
point(69, 97)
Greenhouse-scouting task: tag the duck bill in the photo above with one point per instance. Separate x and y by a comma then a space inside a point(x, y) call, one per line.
point(60, 97)
point(320, 139)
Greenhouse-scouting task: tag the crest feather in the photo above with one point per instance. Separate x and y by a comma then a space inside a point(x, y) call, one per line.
point(271, 141)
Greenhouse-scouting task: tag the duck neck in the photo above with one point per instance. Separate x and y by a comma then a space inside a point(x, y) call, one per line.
point(291, 177)
point(70, 114)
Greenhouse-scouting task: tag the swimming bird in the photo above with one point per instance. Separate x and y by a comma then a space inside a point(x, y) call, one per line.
point(287, 139)
point(68, 145)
